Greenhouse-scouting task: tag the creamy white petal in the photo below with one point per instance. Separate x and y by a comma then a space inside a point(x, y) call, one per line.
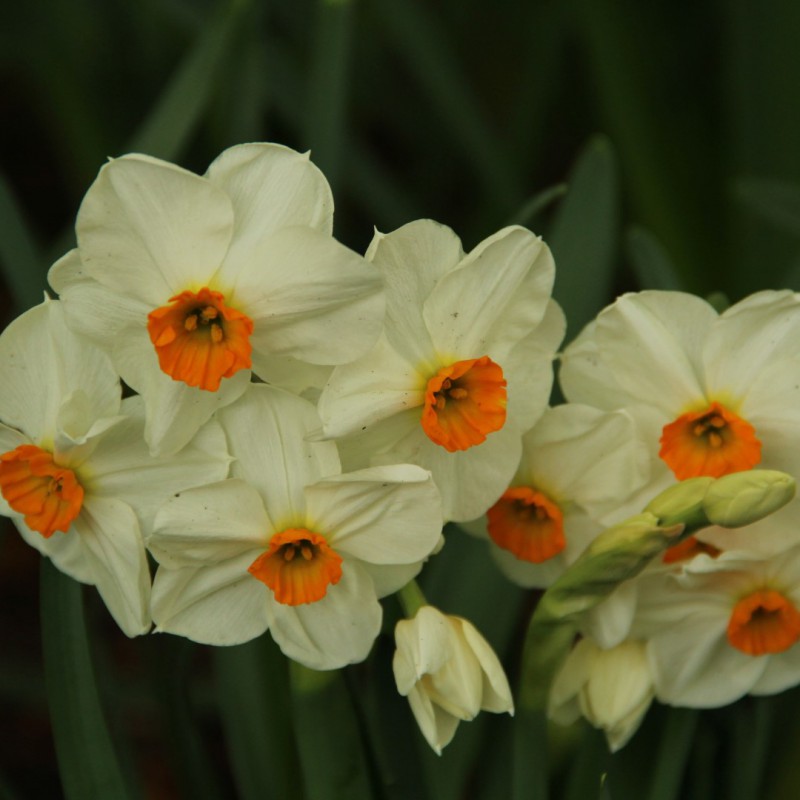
point(266, 431)
point(375, 387)
point(424, 645)
point(271, 187)
point(495, 692)
point(335, 631)
point(390, 578)
point(114, 550)
point(412, 259)
point(782, 672)
point(65, 550)
point(749, 336)
point(42, 362)
point(652, 343)
point(210, 524)
point(496, 296)
point(174, 411)
point(309, 297)
point(437, 726)
point(220, 605)
point(297, 377)
point(584, 377)
point(382, 515)
point(149, 229)
point(11, 439)
point(68, 270)
point(609, 623)
point(367, 448)
point(121, 465)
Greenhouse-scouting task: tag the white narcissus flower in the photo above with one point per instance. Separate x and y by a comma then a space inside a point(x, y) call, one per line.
point(579, 468)
point(611, 688)
point(190, 282)
point(711, 393)
point(722, 628)
point(76, 476)
point(289, 544)
point(449, 673)
point(465, 364)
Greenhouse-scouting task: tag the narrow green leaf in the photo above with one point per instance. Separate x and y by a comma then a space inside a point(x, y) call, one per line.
point(673, 754)
point(329, 81)
point(86, 758)
point(651, 264)
point(253, 689)
point(584, 234)
point(589, 766)
point(538, 203)
point(776, 202)
point(750, 734)
point(170, 660)
point(173, 119)
point(428, 54)
point(20, 259)
point(332, 755)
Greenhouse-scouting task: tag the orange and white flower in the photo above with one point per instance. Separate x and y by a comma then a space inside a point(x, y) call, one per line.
point(723, 628)
point(290, 544)
point(464, 367)
point(578, 469)
point(449, 673)
point(191, 282)
point(712, 394)
point(75, 474)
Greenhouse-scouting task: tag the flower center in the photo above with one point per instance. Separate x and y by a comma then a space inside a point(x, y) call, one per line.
point(199, 340)
point(687, 549)
point(528, 524)
point(464, 402)
point(48, 496)
point(764, 622)
point(298, 566)
point(711, 443)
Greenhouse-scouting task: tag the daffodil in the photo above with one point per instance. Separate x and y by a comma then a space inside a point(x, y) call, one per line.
point(191, 282)
point(578, 469)
point(289, 543)
point(75, 474)
point(449, 673)
point(464, 367)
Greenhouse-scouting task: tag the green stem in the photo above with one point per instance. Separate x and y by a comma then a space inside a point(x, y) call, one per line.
point(411, 599)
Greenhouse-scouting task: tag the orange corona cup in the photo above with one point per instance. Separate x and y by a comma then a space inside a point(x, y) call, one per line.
point(298, 566)
point(528, 524)
point(48, 496)
point(712, 443)
point(764, 622)
point(464, 402)
point(199, 340)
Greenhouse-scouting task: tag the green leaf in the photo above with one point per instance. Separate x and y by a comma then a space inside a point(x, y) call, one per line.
point(87, 762)
point(651, 264)
point(332, 755)
point(173, 119)
point(538, 203)
point(328, 87)
point(776, 202)
point(19, 256)
point(673, 754)
point(750, 734)
point(584, 234)
point(253, 690)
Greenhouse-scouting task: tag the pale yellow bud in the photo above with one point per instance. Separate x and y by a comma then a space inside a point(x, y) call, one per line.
point(745, 497)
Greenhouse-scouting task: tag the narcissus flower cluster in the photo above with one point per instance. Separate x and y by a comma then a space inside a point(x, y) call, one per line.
point(303, 421)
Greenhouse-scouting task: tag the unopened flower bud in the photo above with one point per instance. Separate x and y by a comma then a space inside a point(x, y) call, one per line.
point(744, 497)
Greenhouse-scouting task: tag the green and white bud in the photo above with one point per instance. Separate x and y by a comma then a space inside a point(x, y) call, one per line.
point(745, 497)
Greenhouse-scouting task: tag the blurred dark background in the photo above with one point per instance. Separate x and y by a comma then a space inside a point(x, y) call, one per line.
point(653, 144)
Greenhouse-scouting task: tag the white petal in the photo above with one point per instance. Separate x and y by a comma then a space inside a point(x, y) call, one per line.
point(335, 631)
point(271, 187)
point(496, 296)
point(375, 387)
point(42, 362)
point(496, 693)
point(174, 411)
point(652, 343)
point(525, 573)
point(748, 337)
point(114, 549)
point(436, 725)
point(210, 524)
point(609, 622)
point(368, 447)
point(220, 605)
point(297, 377)
point(382, 515)
point(412, 259)
point(150, 229)
point(266, 431)
point(11, 439)
point(121, 465)
point(584, 377)
point(425, 644)
point(65, 550)
point(309, 297)
point(390, 578)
